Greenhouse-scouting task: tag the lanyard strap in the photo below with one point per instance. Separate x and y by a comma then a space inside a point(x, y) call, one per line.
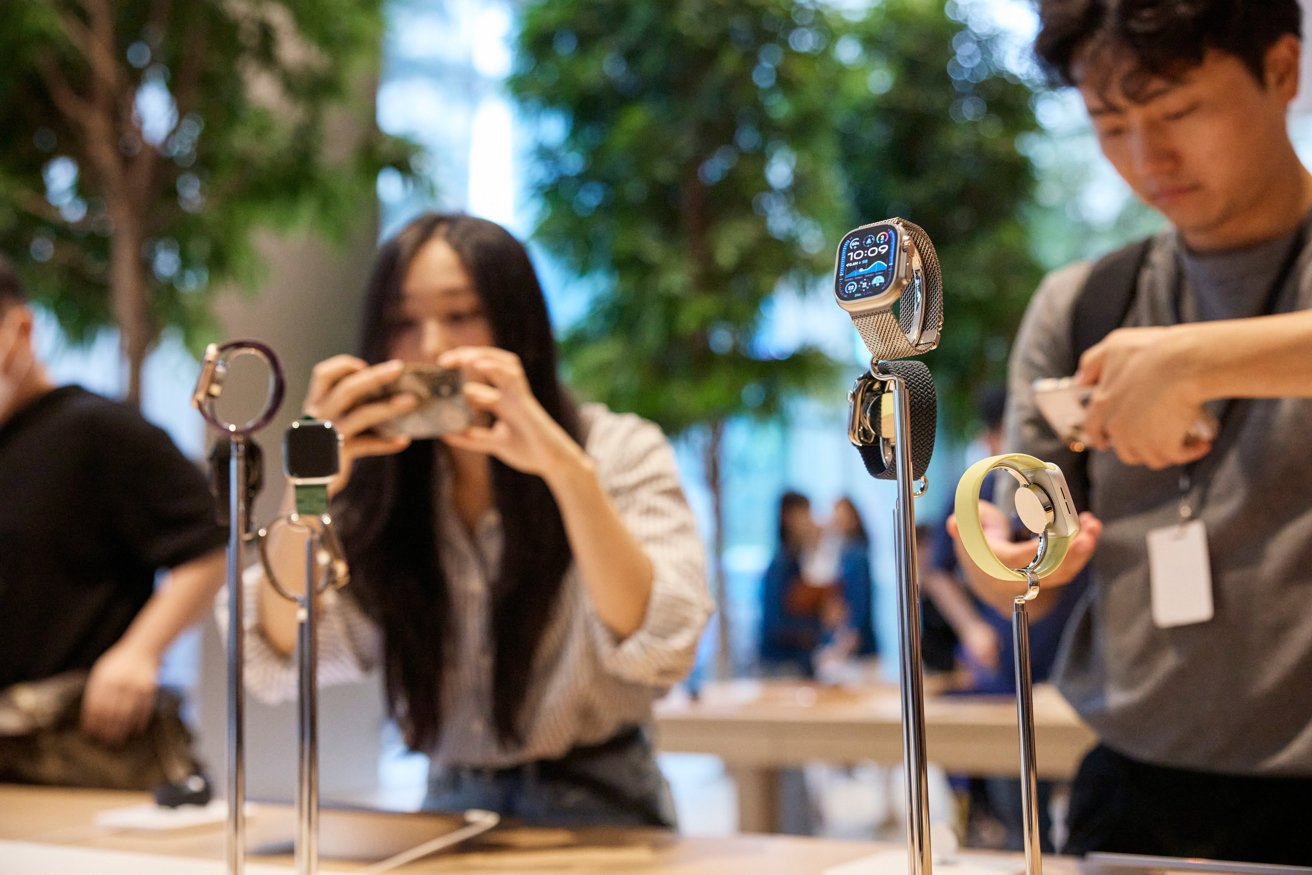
point(1270, 306)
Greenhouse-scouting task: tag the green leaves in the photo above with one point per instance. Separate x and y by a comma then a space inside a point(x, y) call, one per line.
point(194, 123)
point(704, 154)
point(693, 172)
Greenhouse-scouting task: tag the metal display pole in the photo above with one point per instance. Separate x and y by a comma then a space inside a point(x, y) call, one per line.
point(242, 464)
point(307, 648)
point(1029, 786)
point(911, 678)
point(321, 549)
point(238, 514)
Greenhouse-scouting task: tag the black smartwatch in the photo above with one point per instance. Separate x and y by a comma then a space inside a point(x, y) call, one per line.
point(311, 458)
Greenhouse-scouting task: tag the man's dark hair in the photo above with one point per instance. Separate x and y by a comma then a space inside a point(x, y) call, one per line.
point(1162, 38)
point(12, 290)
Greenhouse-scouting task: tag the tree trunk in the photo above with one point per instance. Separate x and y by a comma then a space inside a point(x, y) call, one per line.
point(719, 587)
point(129, 291)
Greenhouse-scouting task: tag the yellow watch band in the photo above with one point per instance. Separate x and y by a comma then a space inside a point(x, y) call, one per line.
point(972, 531)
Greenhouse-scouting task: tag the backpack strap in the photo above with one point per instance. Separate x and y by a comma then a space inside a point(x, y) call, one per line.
point(1105, 299)
point(1101, 307)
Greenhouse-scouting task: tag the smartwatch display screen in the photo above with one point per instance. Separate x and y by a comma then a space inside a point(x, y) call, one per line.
point(311, 450)
point(867, 262)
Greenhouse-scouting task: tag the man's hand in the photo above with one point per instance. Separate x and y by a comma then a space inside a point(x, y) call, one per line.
point(1018, 554)
point(120, 695)
point(1146, 398)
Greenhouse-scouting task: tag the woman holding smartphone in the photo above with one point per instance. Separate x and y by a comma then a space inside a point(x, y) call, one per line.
point(529, 584)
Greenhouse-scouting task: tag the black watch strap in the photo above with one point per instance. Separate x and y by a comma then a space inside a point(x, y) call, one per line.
point(873, 406)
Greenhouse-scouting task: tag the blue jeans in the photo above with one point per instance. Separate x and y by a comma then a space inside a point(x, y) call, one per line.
point(615, 783)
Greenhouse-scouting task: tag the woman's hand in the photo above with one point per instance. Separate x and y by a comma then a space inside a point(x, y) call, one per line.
point(522, 434)
point(338, 393)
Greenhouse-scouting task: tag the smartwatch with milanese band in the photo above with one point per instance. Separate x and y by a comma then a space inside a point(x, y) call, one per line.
point(1043, 502)
point(871, 429)
point(887, 278)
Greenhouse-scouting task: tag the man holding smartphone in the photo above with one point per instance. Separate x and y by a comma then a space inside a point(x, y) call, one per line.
point(1191, 651)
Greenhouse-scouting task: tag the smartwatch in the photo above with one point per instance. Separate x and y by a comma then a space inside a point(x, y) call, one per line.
point(887, 278)
point(311, 457)
point(214, 370)
point(871, 426)
point(1043, 503)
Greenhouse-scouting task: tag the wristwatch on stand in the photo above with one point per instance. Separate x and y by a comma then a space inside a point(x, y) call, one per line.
point(871, 428)
point(1043, 503)
point(887, 279)
point(311, 458)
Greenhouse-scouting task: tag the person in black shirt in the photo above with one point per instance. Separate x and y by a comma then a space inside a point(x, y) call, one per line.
point(94, 501)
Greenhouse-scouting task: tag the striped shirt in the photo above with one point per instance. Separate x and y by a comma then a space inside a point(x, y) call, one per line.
point(585, 685)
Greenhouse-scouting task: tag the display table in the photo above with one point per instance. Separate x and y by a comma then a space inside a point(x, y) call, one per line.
point(65, 818)
point(760, 727)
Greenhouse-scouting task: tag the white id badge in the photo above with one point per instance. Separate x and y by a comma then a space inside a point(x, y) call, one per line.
point(1181, 574)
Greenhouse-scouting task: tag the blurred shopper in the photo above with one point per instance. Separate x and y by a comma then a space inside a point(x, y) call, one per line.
point(94, 501)
point(529, 585)
point(795, 608)
point(856, 584)
point(1192, 662)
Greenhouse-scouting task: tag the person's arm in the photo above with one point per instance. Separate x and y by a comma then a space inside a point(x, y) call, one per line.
point(1151, 384)
point(615, 570)
point(952, 601)
point(631, 532)
point(120, 691)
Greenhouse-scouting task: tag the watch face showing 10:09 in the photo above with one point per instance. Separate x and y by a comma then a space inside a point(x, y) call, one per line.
point(867, 262)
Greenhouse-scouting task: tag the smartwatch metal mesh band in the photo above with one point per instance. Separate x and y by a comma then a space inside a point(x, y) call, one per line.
point(876, 452)
point(889, 337)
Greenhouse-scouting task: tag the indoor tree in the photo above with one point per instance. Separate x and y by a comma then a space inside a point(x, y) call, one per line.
point(147, 139)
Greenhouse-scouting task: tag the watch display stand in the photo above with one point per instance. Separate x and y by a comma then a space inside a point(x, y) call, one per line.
point(242, 464)
point(1029, 783)
point(910, 669)
point(319, 542)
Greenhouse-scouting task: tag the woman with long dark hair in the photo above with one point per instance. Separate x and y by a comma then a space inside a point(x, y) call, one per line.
point(530, 584)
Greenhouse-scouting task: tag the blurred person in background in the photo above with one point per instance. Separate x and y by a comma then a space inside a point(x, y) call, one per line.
point(529, 584)
point(797, 609)
point(94, 502)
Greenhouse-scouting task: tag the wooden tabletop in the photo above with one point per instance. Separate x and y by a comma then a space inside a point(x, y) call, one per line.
point(65, 817)
point(778, 723)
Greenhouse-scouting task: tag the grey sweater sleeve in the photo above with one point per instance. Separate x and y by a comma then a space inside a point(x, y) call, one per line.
point(1043, 349)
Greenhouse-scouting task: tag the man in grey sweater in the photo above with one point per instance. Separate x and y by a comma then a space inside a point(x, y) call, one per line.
point(1191, 650)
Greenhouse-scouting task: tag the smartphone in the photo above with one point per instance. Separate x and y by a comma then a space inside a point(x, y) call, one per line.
point(442, 408)
point(1064, 405)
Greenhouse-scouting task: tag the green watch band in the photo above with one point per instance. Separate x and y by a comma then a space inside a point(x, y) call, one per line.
point(972, 531)
point(311, 498)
